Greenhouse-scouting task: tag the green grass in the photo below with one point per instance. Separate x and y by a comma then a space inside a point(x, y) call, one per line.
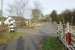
point(52, 44)
point(15, 34)
point(10, 37)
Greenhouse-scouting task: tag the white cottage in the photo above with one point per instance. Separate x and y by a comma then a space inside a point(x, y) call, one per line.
point(11, 24)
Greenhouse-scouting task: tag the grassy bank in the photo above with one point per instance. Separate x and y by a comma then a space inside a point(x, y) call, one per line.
point(4, 39)
point(52, 44)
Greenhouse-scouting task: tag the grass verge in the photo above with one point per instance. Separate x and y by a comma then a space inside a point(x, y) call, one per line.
point(52, 44)
point(4, 39)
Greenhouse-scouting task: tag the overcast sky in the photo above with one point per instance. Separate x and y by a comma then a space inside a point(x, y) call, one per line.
point(48, 5)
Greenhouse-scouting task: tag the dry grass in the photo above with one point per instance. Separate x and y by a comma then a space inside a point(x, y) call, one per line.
point(4, 39)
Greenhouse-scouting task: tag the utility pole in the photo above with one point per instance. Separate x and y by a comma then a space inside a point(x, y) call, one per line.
point(1, 7)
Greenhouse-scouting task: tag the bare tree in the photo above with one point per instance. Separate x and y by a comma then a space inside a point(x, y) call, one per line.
point(18, 7)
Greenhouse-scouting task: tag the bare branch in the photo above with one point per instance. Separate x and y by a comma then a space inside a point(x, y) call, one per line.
point(18, 7)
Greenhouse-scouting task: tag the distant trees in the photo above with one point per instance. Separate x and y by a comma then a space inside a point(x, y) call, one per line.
point(18, 7)
point(0, 12)
point(65, 16)
point(69, 16)
point(53, 15)
point(73, 17)
point(2, 18)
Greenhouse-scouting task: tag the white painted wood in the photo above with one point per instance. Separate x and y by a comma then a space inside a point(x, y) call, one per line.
point(0, 23)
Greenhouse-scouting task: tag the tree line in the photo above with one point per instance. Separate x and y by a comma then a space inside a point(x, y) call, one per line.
point(65, 16)
point(19, 8)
